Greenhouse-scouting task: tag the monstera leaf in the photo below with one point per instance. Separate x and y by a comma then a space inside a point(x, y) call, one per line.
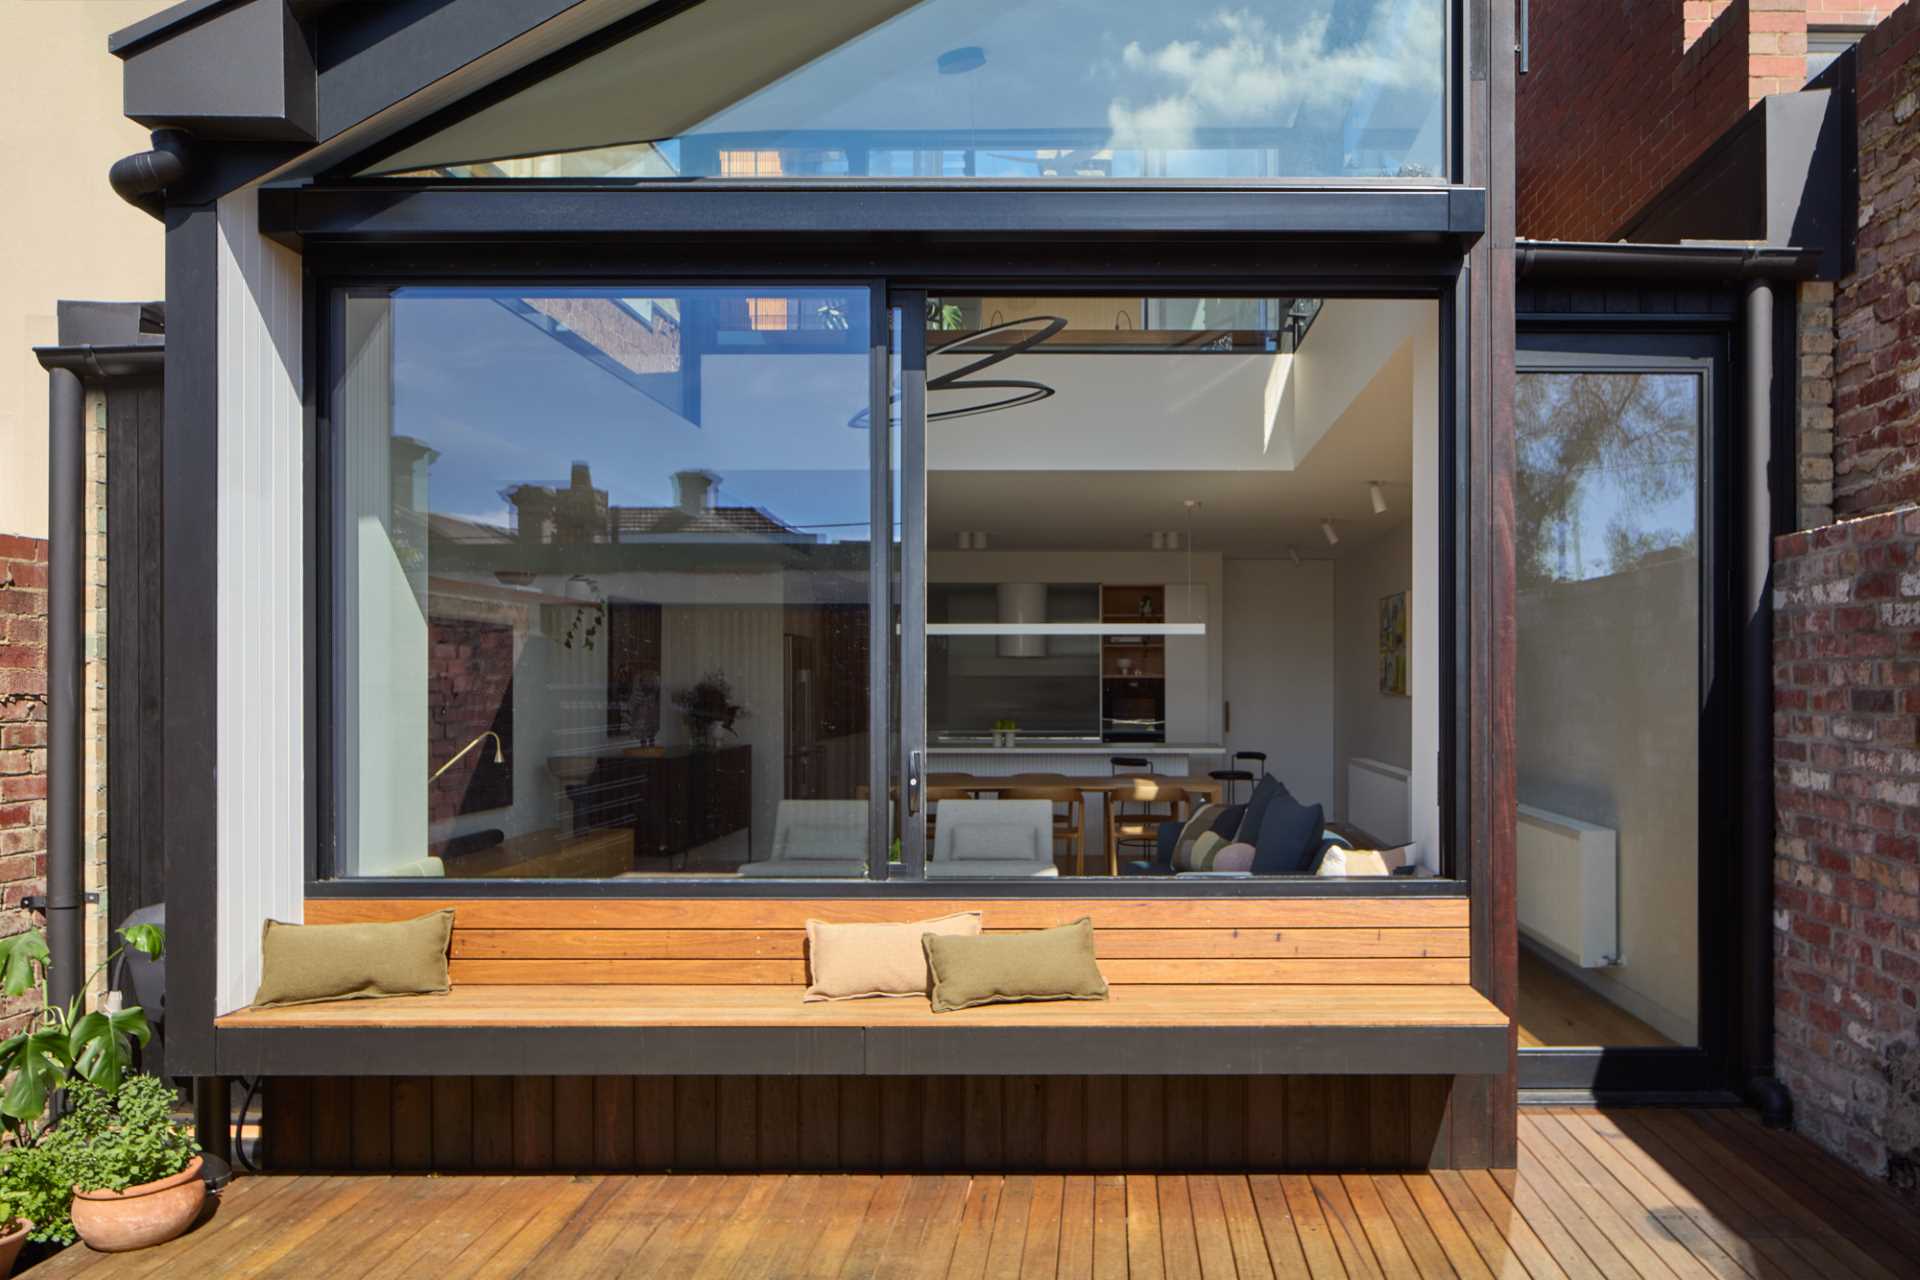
point(18, 956)
point(148, 939)
point(101, 1045)
point(35, 1064)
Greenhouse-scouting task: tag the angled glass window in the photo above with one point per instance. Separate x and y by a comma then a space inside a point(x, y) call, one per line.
point(1005, 89)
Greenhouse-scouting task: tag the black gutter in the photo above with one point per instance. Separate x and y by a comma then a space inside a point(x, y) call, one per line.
point(68, 369)
point(1536, 258)
point(141, 179)
point(1753, 657)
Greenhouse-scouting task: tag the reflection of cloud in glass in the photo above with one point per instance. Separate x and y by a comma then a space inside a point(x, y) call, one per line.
point(1249, 73)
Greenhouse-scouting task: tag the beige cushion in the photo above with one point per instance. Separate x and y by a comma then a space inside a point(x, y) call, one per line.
point(1353, 862)
point(308, 963)
point(851, 961)
point(1046, 964)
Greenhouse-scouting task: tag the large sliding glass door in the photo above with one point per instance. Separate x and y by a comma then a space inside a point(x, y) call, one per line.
point(1618, 706)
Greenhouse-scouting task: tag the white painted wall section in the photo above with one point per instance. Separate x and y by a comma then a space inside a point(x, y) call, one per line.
point(261, 725)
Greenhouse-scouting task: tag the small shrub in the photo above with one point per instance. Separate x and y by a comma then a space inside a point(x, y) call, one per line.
point(112, 1141)
point(31, 1187)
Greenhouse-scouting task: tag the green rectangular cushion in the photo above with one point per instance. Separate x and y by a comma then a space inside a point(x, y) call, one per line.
point(998, 968)
point(308, 963)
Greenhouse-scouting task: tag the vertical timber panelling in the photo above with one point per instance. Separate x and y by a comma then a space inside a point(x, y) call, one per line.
point(1014, 1124)
point(1483, 1112)
point(260, 596)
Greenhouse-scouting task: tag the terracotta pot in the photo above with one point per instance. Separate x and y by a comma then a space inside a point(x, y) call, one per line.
point(148, 1214)
point(10, 1246)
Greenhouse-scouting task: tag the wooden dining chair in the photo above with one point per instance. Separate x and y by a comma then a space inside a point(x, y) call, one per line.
point(1134, 815)
point(1069, 817)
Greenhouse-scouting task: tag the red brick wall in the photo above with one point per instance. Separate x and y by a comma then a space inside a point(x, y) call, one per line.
point(1876, 311)
point(23, 737)
point(1847, 839)
point(1620, 98)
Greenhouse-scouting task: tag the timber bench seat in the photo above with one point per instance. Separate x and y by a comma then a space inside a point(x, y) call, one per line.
point(1288, 986)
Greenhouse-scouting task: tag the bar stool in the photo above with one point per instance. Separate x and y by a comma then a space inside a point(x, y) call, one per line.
point(1121, 766)
point(1239, 773)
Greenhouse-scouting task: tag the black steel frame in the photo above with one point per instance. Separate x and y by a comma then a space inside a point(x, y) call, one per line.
point(1455, 13)
point(1701, 346)
point(893, 276)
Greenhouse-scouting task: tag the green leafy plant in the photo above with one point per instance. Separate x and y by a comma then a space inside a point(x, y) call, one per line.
point(33, 1188)
point(114, 1140)
point(62, 1044)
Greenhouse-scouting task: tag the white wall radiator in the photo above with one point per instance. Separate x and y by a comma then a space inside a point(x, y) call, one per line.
point(1569, 874)
point(1377, 800)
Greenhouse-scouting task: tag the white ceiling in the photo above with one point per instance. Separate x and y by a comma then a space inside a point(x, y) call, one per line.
point(1253, 509)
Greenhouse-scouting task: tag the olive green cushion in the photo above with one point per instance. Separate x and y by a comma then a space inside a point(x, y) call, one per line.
point(998, 968)
point(308, 963)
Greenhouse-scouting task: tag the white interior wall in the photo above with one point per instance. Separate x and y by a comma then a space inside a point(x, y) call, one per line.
point(1367, 722)
point(1279, 670)
point(1607, 697)
point(260, 735)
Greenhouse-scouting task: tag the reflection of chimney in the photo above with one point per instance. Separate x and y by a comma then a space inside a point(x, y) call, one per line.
point(582, 477)
point(693, 491)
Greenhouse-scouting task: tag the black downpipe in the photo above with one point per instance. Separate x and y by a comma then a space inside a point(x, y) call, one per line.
point(141, 179)
point(1753, 613)
point(66, 665)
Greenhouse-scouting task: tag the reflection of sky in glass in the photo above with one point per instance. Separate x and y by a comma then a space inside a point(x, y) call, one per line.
point(1060, 88)
point(1633, 490)
point(504, 404)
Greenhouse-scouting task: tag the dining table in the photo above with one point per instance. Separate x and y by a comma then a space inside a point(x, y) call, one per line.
point(1110, 787)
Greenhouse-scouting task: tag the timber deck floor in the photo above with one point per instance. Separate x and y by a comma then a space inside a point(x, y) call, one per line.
point(1646, 1194)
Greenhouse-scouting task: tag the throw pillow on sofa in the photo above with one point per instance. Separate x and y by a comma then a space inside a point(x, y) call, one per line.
point(1265, 793)
point(1288, 838)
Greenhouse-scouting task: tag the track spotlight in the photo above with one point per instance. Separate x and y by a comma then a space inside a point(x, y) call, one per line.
point(1293, 554)
point(1333, 535)
point(1379, 498)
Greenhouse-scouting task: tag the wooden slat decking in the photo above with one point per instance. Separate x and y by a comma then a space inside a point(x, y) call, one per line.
point(1641, 1194)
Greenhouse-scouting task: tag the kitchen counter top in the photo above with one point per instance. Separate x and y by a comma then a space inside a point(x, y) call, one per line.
point(1078, 748)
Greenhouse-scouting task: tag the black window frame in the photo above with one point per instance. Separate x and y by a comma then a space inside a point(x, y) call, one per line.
point(1628, 343)
point(1348, 270)
point(1456, 67)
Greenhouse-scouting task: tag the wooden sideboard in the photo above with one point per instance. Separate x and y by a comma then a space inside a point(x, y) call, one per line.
point(672, 799)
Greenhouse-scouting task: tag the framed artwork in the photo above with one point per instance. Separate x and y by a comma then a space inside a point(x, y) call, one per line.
point(1393, 644)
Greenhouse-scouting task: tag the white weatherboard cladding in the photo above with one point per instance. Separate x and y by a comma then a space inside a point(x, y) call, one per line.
point(260, 754)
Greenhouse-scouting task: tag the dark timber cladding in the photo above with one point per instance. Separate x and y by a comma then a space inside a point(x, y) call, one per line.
point(1142, 1123)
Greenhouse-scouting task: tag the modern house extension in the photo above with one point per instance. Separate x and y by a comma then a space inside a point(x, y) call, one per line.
point(647, 475)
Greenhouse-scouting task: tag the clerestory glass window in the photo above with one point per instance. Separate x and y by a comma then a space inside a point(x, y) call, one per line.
point(881, 90)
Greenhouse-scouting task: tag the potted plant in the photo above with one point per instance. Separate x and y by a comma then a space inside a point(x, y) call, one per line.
point(60, 1048)
point(135, 1173)
point(708, 704)
point(16, 1218)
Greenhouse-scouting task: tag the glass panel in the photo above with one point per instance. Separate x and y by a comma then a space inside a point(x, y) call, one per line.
point(1178, 547)
point(1055, 90)
point(601, 565)
point(1607, 496)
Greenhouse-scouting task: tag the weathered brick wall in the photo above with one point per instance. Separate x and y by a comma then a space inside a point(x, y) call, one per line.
point(23, 737)
point(1876, 379)
point(1847, 839)
point(1623, 95)
point(1605, 122)
point(23, 719)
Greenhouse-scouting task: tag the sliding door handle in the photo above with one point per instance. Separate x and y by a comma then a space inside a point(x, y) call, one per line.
point(913, 783)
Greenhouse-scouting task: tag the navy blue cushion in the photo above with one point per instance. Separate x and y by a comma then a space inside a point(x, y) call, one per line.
point(1289, 839)
point(1263, 795)
point(1227, 825)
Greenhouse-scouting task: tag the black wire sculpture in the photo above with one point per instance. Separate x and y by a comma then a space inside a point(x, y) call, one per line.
point(1026, 391)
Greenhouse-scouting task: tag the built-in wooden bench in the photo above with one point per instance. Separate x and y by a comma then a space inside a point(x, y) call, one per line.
point(711, 987)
